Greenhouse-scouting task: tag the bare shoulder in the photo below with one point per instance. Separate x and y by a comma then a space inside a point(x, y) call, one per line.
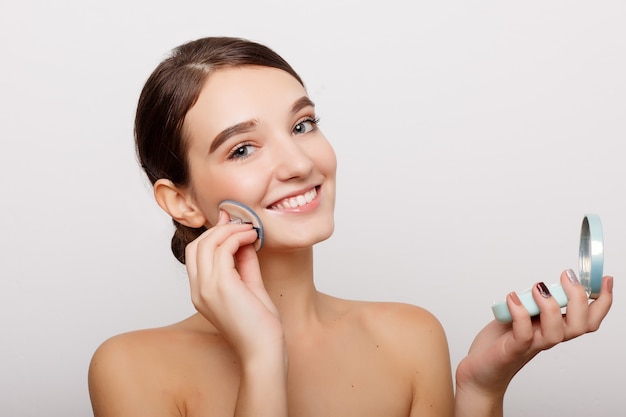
point(146, 372)
point(402, 327)
point(419, 345)
point(134, 349)
point(412, 331)
point(414, 347)
point(398, 320)
point(118, 381)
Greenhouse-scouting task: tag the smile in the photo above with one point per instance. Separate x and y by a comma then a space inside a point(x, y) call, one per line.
point(296, 201)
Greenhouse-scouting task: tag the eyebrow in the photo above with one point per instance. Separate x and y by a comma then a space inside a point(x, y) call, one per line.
point(301, 103)
point(249, 125)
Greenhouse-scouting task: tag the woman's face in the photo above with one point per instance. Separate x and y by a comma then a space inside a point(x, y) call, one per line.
point(253, 138)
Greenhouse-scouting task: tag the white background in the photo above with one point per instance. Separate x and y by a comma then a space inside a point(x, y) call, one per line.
point(472, 137)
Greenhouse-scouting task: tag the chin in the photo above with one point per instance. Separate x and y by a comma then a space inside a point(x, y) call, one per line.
point(303, 240)
point(324, 236)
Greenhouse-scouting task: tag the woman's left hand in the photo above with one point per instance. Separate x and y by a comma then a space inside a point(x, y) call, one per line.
point(500, 350)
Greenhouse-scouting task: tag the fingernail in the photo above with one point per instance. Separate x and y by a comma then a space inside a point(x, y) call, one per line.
point(572, 276)
point(543, 290)
point(223, 217)
point(515, 299)
point(609, 284)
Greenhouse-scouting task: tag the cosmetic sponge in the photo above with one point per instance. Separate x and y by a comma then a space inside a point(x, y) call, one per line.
point(240, 212)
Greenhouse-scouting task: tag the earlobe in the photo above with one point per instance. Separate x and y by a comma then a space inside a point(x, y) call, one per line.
point(176, 203)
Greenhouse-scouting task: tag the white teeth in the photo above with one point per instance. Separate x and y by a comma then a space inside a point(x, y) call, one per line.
point(297, 201)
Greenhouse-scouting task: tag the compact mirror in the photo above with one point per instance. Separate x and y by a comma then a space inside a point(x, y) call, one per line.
point(591, 256)
point(590, 264)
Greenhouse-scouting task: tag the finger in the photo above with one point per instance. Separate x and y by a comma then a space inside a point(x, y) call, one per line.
point(201, 252)
point(551, 329)
point(598, 309)
point(191, 250)
point(576, 315)
point(248, 266)
point(217, 275)
point(522, 325)
point(226, 249)
point(222, 218)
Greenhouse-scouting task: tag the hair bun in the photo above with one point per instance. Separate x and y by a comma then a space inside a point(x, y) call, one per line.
point(184, 235)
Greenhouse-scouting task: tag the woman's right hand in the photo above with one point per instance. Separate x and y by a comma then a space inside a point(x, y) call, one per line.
point(227, 288)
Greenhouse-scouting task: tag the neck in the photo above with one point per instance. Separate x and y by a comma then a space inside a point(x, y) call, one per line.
point(288, 279)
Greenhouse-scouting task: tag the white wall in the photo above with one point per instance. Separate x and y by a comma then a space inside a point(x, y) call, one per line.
point(472, 137)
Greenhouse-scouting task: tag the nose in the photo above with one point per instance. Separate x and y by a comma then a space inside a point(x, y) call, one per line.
point(291, 159)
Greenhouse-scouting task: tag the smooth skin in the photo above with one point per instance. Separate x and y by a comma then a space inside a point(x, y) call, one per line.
point(264, 341)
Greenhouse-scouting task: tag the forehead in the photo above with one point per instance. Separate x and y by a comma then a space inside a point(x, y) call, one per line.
point(232, 95)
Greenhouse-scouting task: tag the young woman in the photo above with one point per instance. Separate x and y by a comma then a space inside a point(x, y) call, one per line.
point(228, 119)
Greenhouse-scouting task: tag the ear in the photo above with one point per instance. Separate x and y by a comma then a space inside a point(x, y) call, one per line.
point(178, 204)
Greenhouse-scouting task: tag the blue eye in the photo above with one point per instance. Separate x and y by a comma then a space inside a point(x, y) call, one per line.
point(305, 126)
point(241, 151)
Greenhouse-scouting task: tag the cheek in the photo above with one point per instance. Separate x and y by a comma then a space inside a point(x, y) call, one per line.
point(245, 186)
point(326, 159)
point(242, 183)
point(210, 188)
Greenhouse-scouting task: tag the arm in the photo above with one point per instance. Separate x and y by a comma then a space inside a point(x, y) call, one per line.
point(227, 289)
point(433, 393)
point(501, 350)
point(137, 374)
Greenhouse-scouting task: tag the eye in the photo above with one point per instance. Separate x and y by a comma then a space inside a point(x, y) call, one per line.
point(242, 151)
point(306, 125)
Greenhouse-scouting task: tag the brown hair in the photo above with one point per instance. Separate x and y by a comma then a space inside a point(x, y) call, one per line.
point(170, 91)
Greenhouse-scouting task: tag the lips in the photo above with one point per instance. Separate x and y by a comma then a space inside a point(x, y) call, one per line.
point(296, 200)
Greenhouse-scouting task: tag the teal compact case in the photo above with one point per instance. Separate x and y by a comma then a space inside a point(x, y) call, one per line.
point(590, 263)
